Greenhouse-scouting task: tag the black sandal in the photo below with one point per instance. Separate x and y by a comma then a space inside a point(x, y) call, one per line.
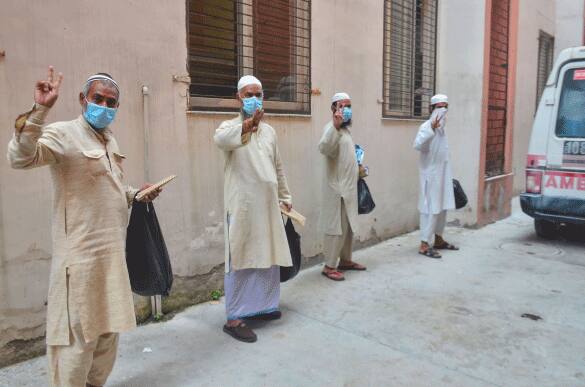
point(446, 246)
point(431, 253)
point(241, 332)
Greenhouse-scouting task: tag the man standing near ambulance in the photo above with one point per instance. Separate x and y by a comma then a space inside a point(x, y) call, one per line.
point(436, 194)
point(90, 300)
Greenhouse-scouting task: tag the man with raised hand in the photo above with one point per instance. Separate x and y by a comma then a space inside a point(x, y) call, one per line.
point(339, 210)
point(436, 194)
point(90, 301)
point(254, 189)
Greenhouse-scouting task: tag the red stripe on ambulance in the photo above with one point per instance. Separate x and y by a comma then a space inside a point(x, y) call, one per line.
point(564, 180)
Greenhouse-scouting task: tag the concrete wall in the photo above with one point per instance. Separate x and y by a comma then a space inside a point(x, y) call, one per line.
point(460, 75)
point(569, 27)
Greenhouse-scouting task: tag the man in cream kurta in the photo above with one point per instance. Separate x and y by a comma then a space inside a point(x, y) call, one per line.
point(255, 186)
point(339, 210)
point(436, 194)
point(90, 300)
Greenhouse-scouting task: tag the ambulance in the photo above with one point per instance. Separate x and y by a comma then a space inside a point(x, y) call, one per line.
point(555, 164)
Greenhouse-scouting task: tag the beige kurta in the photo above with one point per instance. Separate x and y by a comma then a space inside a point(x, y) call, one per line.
point(90, 216)
point(341, 176)
point(253, 187)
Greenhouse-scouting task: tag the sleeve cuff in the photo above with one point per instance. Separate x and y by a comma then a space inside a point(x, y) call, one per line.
point(38, 114)
point(246, 138)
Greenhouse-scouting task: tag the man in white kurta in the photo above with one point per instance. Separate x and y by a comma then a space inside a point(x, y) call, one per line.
point(339, 209)
point(436, 194)
point(89, 301)
point(254, 189)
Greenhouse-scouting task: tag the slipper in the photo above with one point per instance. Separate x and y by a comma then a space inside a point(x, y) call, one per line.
point(353, 266)
point(430, 253)
point(445, 246)
point(334, 275)
point(241, 332)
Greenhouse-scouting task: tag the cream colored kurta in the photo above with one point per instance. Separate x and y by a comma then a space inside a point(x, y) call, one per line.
point(254, 185)
point(90, 216)
point(341, 176)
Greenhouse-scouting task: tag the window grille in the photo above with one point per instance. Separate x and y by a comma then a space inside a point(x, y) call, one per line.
point(270, 39)
point(545, 62)
point(410, 28)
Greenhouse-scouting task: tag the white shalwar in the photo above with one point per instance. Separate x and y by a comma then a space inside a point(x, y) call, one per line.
point(436, 194)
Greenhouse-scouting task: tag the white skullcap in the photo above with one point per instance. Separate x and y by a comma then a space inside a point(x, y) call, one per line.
point(339, 97)
point(247, 80)
point(102, 77)
point(439, 98)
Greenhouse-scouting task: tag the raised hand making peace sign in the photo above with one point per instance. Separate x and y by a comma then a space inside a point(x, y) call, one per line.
point(47, 92)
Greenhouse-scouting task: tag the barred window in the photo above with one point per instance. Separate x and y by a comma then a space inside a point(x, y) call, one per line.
point(270, 39)
point(410, 28)
point(545, 62)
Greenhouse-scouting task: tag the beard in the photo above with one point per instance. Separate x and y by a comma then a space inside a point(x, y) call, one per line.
point(346, 124)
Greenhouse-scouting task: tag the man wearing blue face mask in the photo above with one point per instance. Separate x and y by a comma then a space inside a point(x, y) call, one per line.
point(339, 210)
point(436, 194)
point(254, 190)
point(90, 301)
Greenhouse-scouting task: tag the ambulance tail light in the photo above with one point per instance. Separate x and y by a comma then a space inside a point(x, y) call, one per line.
point(533, 181)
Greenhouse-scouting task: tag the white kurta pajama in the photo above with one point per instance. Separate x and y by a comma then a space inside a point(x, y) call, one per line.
point(436, 194)
point(339, 210)
point(255, 239)
point(90, 299)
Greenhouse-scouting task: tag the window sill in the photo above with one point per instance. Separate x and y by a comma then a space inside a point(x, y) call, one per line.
point(404, 119)
point(228, 113)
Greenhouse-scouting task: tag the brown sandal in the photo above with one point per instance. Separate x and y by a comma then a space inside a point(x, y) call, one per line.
point(241, 332)
point(334, 275)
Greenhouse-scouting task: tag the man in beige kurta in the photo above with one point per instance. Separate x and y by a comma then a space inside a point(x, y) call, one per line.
point(339, 210)
point(89, 299)
point(254, 189)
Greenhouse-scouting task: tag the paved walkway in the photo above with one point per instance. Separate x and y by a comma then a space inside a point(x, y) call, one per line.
point(407, 321)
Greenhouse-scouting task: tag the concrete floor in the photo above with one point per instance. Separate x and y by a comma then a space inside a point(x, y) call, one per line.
point(407, 321)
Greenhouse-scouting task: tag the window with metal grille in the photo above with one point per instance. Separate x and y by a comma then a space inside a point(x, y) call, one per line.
point(545, 62)
point(410, 28)
point(270, 39)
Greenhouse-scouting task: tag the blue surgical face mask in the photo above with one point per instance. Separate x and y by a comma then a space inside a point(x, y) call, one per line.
point(250, 105)
point(99, 117)
point(346, 114)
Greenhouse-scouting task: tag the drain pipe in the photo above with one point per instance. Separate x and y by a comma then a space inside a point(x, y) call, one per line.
point(155, 301)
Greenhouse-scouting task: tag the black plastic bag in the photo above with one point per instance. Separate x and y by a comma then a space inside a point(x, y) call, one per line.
point(147, 257)
point(460, 197)
point(294, 244)
point(365, 202)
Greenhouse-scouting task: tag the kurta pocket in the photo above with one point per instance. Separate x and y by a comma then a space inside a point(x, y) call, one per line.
point(94, 162)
